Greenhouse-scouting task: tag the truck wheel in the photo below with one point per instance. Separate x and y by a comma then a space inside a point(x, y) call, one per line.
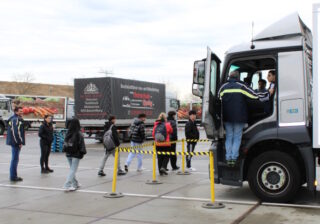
point(2, 128)
point(274, 177)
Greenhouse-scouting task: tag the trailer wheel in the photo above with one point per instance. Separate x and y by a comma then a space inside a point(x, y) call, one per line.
point(274, 177)
point(2, 128)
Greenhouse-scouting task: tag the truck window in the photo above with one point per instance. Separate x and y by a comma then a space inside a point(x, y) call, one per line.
point(4, 105)
point(213, 77)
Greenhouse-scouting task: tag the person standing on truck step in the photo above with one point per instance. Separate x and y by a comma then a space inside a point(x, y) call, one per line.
point(115, 137)
point(235, 95)
point(161, 134)
point(46, 137)
point(173, 137)
point(16, 139)
point(192, 136)
point(75, 149)
point(137, 137)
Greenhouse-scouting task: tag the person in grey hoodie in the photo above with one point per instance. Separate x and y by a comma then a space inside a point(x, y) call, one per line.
point(137, 137)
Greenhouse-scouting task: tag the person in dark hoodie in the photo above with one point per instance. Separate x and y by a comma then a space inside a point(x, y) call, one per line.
point(192, 133)
point(137, 137)
point(75, 150)
point(15, 138)
point(173, 137)
point(111, 124)
point(46, 138)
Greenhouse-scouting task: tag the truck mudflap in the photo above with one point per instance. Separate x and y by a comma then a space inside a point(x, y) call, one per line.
point(309, 161)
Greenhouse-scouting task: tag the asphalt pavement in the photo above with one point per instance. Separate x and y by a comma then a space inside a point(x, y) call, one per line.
point(41, 199)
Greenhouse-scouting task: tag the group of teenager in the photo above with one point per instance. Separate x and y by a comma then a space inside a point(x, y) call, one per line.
point(164, 132)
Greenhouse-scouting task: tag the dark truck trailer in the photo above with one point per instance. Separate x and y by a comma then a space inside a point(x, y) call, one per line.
point(98, 98)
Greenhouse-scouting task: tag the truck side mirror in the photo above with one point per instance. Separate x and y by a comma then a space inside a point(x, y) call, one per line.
point(197, 89)
point(199, 72)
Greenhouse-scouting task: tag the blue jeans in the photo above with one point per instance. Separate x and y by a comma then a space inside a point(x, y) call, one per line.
point(132, 155)
point(71, 179)
point(233, 139)
point(15, 150)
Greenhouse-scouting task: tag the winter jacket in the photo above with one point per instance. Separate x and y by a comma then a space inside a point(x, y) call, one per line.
point(115, 135)
point(235, 96)
point(78, 142)
point(15, 132)
point(169, 132)
point(191, 130)
point(46, 133)
point(137, 131)
point(173, 123)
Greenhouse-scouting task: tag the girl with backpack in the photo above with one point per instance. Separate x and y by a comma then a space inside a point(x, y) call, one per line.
point(161, 134)
point(75, 150)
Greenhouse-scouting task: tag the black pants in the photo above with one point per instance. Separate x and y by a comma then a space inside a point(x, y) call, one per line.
point(190, 148)
point(173, 158)
point(45, 152)
point(162, 159)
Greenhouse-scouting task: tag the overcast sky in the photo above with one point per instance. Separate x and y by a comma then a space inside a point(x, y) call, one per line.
point(151, 40)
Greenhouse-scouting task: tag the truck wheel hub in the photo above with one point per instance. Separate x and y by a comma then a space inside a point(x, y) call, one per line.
point(273, 177)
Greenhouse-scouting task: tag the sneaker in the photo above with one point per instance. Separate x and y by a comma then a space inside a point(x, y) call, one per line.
point(17, 179)
point(163, 171)
point(192, 169)
point(44, 171)
point(78, 185)
point(176, 168)
point(141, 169)
point(49, 170)
point(121, 173)
point(69, 188)
point(126, 168)
point(101, 173)
point(233, 163)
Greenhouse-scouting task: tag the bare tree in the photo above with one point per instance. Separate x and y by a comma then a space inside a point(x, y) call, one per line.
point(25, 85)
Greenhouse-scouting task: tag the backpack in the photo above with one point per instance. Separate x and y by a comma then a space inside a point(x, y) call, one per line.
point(131, 130)
point(160, 133)
point(108, 140)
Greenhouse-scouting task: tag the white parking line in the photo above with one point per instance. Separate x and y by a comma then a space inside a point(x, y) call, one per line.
point(164, 197)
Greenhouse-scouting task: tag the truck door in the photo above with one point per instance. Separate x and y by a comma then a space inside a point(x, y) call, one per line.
point(206, 77)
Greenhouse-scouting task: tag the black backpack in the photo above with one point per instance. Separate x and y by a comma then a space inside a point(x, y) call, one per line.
point(160, 133)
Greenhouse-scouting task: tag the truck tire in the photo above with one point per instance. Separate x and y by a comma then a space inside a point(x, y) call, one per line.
point(274, 177)
point(2, 129)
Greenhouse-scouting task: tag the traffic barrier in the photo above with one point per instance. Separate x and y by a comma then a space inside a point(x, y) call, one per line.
point(154, 177)
point(212, 204)
point(113, 193)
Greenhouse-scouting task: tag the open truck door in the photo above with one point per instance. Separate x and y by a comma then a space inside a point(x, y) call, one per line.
point(206, 79)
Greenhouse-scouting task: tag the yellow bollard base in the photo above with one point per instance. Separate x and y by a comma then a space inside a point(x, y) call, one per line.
point(183, 173)
point(113, 195)
point(151, 182)
point(215, 205)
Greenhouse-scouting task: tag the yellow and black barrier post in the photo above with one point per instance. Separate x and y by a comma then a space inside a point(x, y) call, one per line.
point(212, 204)
point(183, 171)
point(154, 177)
point(114, 194)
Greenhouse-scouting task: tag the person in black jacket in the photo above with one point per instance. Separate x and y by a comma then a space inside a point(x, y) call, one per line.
point(111, 124)
point(75, 150)
point(192, 134)
point(236, 97)
point(137, 137)
point(173, 137)
point(46, 138)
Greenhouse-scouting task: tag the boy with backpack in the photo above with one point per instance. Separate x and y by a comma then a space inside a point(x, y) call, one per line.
point(137, 137)
point(161, 134)
point(110, 142)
